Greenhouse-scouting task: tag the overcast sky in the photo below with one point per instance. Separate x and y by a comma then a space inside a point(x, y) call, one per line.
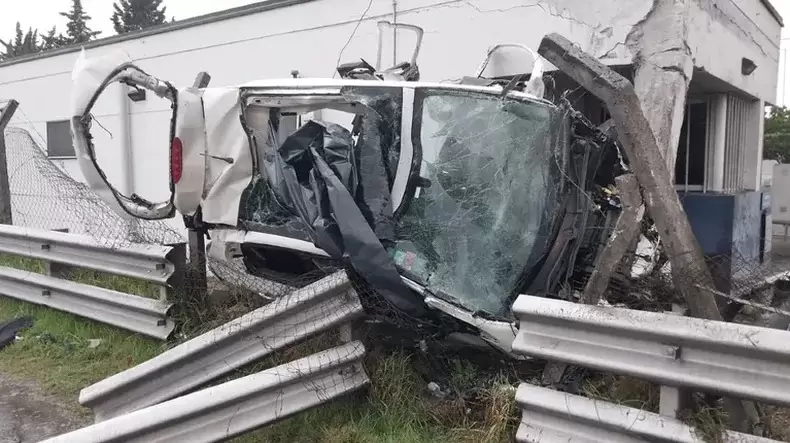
point(43, 14)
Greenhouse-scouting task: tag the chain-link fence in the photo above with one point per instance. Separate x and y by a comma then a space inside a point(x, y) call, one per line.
point(44, 196)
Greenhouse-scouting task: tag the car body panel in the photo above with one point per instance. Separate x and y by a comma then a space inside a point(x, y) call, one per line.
point(463, 190)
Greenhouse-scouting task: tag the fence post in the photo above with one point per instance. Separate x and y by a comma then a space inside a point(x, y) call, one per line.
point(5, 187)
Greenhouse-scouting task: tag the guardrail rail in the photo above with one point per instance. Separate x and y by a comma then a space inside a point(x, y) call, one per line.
point(148, 263)
point(680, 353)
point(550, 416)
point(238, 406)
point(726, 358)
point(323, 305)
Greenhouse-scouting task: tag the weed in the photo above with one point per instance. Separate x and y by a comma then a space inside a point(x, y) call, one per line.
point(778, 422)
point(500, 411)
point(707, 423)
point(23, 263)
point(623, 390)
point(56, 352)
point(114, 282)
point(85, 276)
point(463, 374)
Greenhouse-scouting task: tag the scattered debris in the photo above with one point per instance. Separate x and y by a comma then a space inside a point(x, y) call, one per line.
point(436, 390)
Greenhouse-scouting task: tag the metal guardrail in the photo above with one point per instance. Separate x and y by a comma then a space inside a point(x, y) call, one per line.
point(138, 314)
point(726, 358)
point(321, 306)
point(550, 416)
point(144, 262)
point(238, 406)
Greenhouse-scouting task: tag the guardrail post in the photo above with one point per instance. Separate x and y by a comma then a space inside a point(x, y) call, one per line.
point(5, 187)
point(57, 270)
point(178, 281)
point(672, 399)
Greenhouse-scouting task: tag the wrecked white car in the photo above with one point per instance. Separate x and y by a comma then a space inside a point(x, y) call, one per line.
point(446, 199)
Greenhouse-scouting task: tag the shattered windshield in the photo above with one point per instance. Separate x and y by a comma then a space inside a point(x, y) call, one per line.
point(489, 182)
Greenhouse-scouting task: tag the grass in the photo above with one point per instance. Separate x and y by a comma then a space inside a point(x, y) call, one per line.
point(55, 352)
point(708, 423)
point(623, 390)
point(23, 263)
point(778, 421)
point(114, 282)
point(396, 409)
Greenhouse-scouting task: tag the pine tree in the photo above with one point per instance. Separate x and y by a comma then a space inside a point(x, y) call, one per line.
point(19, 40)
point(23, 43)
point(133, 15)
point(77, 30)
point(53, 40)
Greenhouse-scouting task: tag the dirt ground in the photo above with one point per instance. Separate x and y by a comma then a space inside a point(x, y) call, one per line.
point(29, 415)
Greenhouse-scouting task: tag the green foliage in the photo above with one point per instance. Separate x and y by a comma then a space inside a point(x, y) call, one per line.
point(56, 351)
point(53, 40)
point(22, 44)
point(28, 42)
point(77, 30)
point(134, 15)
point(463, 375)
point(777, 135)
point(23, 263)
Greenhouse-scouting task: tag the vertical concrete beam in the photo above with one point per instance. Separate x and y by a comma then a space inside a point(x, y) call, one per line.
point(663, 68)
point(690, 272)
point(648, 166)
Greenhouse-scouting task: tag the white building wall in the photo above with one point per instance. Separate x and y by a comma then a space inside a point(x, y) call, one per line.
point(309, 37)
point(722, 32)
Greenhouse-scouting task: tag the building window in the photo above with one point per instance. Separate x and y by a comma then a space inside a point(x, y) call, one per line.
point(690, 163)
point(59, 143)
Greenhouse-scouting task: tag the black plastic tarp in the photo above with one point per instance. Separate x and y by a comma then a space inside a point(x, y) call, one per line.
point(9, 329)
point(314, 174)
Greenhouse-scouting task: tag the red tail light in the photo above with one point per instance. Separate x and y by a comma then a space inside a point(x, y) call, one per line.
point(176, 160)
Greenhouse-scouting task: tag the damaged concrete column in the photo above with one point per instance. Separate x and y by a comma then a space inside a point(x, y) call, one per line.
point(663, 66)
point(690, 273)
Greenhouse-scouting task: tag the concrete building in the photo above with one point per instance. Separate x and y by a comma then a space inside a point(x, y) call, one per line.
point(734, 44)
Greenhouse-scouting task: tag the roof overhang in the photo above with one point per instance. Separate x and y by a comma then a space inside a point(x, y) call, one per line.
point(773, 12)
